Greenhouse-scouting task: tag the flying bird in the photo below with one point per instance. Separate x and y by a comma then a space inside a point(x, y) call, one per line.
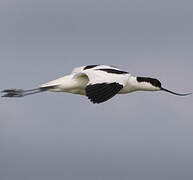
point(98, 82)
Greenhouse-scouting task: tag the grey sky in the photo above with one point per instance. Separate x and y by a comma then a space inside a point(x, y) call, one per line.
point(137, 136)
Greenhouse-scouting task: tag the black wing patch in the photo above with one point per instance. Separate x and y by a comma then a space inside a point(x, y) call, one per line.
point(90, 67)
point(98, 93)
point(114, 71)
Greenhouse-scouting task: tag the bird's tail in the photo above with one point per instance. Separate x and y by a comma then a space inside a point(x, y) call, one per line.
point(22, 93)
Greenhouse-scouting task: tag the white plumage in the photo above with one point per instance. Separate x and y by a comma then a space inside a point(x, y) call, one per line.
point(98, 82)
point(83, 76)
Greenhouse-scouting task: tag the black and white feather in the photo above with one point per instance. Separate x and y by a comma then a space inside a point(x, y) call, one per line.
point(103, 83)
point(98, 82)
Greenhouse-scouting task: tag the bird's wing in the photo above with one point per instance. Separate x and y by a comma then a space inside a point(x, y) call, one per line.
point(103, 83)
point(98, 93)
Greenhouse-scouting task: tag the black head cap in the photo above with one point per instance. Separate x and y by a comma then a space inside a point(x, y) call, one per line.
point(154, 82)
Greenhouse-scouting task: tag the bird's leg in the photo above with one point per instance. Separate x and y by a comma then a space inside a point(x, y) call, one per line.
point(20, 92)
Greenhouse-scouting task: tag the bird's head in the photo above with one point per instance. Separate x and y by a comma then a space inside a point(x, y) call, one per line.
point(151, 84)
point(148, 84)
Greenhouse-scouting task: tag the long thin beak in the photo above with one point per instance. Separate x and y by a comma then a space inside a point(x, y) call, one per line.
point(178, 94)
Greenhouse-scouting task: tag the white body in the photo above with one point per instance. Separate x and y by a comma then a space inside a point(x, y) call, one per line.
point(77, 81)
point(98, 82)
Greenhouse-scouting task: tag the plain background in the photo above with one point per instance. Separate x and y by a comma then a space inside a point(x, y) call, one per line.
point(142, 135)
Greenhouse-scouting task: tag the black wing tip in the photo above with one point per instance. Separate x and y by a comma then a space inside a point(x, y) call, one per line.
point(94, 101)
point(113, 71)
point(90, 66)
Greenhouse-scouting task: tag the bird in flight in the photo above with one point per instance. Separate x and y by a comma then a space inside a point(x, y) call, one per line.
point(98, 82)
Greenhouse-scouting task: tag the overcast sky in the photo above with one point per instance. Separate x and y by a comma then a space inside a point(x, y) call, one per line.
point(138, 136)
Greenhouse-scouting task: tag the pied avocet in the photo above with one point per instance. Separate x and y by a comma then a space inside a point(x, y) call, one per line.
point(98, 82)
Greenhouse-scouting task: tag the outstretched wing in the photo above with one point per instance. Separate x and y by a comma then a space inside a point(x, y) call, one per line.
point(103, 83)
